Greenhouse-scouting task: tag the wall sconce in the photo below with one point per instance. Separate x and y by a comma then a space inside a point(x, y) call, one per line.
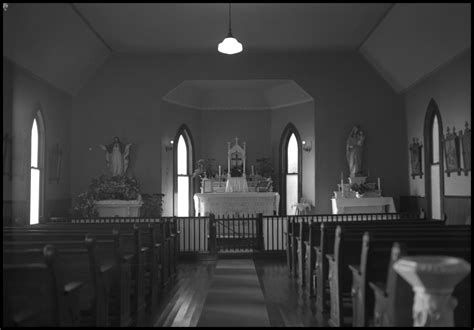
point(307, 146)
point(169, 147)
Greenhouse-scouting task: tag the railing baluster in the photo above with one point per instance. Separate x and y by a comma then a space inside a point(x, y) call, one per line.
point(194, 233)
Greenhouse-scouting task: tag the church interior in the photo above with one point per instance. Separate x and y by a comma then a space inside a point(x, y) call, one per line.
point(236, 164)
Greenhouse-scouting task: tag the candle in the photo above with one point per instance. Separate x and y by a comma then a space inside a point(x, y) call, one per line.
point(378, 184)
point(252, 171)
point(342, 176)
point(342, 185)
point(219, 170)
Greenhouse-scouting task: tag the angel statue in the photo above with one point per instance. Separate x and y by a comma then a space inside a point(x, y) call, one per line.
point(116, 156)
point(354, 145)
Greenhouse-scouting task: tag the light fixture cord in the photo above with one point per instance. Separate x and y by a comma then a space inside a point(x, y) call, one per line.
point(230, 20)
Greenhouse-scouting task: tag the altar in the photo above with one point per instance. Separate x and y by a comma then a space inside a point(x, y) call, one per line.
point(236, 203)
point(363, 205)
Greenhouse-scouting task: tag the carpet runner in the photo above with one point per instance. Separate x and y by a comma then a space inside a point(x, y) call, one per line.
point(235, 298)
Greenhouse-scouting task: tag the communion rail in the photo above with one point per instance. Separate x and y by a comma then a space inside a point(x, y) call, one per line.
point(213, 234)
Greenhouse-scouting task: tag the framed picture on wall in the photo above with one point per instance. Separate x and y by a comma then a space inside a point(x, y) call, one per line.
point(415, 158)
point(451, 152)
point(55, 160)
point(466, 148)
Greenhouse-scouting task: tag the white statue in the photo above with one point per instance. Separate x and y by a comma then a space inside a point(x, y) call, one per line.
point(354, 145)
point(116, 156)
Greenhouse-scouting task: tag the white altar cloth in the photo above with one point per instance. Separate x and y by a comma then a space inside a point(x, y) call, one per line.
point(237, 203)
point(236, 184)
point(363, 205)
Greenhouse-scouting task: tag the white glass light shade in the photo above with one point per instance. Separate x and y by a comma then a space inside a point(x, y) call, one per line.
point(230, 46)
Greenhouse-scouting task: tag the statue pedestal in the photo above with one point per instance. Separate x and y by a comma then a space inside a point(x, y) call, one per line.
point(433, 279)
point(119, 208)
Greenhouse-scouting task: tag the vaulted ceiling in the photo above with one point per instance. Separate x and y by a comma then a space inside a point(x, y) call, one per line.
point(65, 44)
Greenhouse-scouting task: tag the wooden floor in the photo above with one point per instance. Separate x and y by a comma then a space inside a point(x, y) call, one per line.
point(287, 304)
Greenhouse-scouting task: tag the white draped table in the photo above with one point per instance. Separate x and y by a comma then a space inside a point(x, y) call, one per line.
point(236, 203)
point(363, 205)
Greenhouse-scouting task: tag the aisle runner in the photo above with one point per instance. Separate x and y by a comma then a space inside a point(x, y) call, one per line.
point(235, 297)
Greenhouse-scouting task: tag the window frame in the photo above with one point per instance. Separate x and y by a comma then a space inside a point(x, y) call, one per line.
point(432, 111)
point(284, 141)
point(188, 140)
point(38, 117)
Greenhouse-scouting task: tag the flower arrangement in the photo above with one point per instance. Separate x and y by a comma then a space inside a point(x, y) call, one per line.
point(105, 188)
point(265, 167)
point(363, 187)
point(152, 205)
point(205, 168)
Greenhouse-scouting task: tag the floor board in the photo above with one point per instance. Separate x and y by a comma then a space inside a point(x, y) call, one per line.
point(286, 302)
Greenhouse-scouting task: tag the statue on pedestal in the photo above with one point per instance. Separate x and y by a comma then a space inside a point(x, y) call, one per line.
point(354, 148)
point(116, 156)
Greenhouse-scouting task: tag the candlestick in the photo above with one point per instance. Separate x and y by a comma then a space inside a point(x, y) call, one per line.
point(252, 171)
point(342, 186)
point(219, 170)
point(378, 184)
point(342, 176)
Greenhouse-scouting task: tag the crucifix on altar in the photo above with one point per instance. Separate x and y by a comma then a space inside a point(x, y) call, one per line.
point(236, 157)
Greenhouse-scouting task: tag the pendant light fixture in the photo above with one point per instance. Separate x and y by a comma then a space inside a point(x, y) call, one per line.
point(230, 45)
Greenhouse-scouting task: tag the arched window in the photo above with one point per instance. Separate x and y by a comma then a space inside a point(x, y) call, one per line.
point(36, 171)
point(183, 170)
point(290, 152)
point(434, 179)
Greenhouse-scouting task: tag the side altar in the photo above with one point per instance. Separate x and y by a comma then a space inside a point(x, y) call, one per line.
point(235, 193)
point(365, 200)
point(359, 196)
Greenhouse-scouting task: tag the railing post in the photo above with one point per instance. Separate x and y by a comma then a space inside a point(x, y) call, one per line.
point(260, 232)
point(212, 235)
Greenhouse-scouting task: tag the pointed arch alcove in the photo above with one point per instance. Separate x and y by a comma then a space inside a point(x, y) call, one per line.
point(37, 168)
point(433, 162)
point(290, 160)
point(183, 160)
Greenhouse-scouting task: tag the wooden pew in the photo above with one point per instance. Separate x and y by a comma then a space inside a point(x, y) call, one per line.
point(394, 296)
point(79, 263)
point(167, 234)
point(323, 243)
point(305, 250)
point(137, 240)
point(109, 250)
point(301, 251)
point(35, 294)
point(347, 251)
